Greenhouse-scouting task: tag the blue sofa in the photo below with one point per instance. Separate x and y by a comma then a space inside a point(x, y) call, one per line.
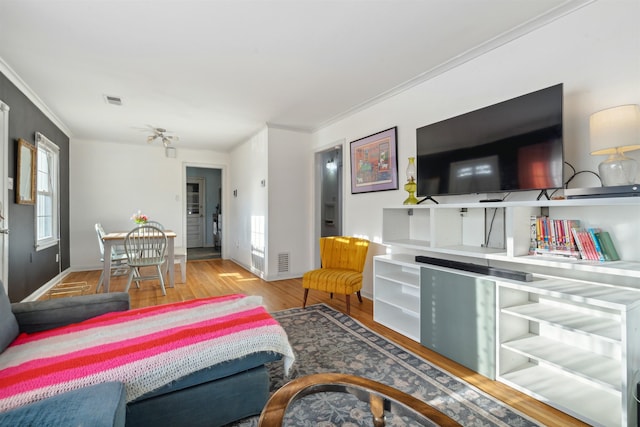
point(214, 396)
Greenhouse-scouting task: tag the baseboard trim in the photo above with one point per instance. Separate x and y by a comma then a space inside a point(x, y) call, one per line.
point(42, 290)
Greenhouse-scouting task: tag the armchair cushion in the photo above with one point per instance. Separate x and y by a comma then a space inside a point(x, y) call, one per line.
point(101, 405)
point(335, 281)
point(8, 323)
point(38, 316)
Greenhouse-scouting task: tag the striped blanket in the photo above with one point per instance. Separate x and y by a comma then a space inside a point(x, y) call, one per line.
point(144, 348)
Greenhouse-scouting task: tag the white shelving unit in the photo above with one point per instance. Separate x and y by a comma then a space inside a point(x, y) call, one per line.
point(461, 229)
point(396, 290)
point(571, 344)
point(570, 337)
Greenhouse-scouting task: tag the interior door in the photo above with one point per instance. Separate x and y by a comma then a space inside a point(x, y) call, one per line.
point(195, 212)
point(4, 189)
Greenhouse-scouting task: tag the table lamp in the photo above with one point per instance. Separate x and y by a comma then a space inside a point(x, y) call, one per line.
point(613, 132)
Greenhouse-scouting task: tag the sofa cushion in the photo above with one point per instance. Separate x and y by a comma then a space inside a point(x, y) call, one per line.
point(215, 372)
point(8, 323)
point(101, 405)
point(35, 316)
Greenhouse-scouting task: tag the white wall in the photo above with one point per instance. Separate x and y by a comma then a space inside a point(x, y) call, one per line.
point(278, 210)
point(109, 182)
point(290, 218)
point(594, 51)
point(248, 210)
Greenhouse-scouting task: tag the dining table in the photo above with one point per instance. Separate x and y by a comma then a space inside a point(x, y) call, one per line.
point(116, 238)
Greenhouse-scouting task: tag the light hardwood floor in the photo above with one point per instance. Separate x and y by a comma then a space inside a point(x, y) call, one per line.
point(220, 277)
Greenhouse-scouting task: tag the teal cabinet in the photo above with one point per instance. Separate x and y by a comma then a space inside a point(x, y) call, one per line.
point(457, 317)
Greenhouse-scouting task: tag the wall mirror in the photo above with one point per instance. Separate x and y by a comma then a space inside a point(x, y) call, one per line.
point(26, 179)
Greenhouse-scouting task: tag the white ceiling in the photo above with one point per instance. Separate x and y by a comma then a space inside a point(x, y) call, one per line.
point(214, 72)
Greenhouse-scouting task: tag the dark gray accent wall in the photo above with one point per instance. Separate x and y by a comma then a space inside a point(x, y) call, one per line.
point(30, 269)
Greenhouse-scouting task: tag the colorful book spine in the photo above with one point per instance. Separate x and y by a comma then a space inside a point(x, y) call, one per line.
point(571, 224)
point(533, 234)
point(576, 237)
point(552, 237)
point(609, 249)
point(596, 244)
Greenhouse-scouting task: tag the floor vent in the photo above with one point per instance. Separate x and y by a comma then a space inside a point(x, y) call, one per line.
point(283, 262)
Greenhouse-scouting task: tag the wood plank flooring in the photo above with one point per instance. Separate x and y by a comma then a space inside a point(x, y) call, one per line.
point(220, 277)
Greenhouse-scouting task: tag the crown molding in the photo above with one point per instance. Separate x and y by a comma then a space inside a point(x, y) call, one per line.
point(533, 24)
point(31, 95)
point(279, 126)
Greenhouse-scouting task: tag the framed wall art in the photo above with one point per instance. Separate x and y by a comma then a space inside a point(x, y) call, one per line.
point(374, 162)
point(26, 176)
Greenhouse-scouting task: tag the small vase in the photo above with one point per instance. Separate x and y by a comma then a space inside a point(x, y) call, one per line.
point(411, 186)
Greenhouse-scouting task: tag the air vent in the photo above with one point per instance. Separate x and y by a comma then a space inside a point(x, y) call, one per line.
point(113, 100)
point(283, 262)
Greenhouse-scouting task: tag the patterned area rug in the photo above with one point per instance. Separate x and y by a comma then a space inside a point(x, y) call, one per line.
point(326, 340)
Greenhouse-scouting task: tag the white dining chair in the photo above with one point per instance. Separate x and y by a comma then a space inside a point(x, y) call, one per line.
point(145, 246)
point(119, 265)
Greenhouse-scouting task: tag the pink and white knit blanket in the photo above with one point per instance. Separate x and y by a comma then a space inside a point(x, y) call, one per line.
point(144, 348)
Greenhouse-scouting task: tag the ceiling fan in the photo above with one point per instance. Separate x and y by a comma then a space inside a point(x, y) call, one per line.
point(161, 133)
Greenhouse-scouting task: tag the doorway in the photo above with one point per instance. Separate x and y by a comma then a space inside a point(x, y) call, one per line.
point(329, 191)
point(329, 195)
point(196, 198)
point(203, 213)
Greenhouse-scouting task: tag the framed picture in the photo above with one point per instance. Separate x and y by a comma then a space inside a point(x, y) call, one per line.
point(374, 162)
point(26, 179)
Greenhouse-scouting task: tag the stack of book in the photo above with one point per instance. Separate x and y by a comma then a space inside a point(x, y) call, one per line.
point(553, 237)
point(595, 244)
point(566, 238)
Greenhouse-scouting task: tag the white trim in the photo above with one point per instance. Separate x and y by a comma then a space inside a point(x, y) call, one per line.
point(50, 146)
point(42, 290)
point(31, 95)
point(317, 191)
point(4, 192)
point(301, 129)
point(224, 202)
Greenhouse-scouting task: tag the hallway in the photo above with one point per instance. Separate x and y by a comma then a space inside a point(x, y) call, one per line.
point(195, 254)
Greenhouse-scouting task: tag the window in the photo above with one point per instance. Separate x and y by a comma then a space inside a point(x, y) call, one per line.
point(47, 192)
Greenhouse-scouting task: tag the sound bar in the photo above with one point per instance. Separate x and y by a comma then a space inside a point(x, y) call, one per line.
point(477, 268)
point(632, 190)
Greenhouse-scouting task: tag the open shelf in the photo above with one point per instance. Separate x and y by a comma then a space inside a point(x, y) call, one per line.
point(402, 278)
point(608, 329)
point(401, 299)
point(400, 320)
point(585, 364)
point(396, 294)
point(565, 392)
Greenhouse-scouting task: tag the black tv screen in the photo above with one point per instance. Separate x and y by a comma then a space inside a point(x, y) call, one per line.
point(510, 146)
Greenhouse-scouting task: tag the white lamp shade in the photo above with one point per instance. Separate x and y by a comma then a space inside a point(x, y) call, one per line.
point(615, 129)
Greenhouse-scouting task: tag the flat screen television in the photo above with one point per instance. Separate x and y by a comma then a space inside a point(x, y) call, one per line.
point(514, 145)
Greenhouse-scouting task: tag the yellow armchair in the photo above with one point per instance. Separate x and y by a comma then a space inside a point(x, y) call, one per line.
point(343, 260)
